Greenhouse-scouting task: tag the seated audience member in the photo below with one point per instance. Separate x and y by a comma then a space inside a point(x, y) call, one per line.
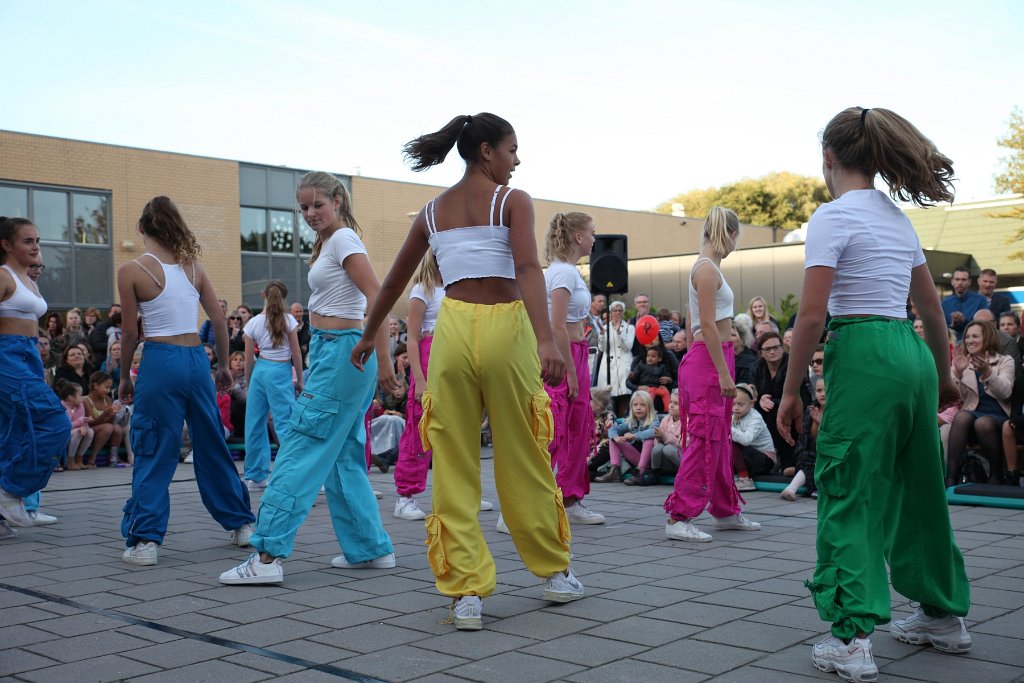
point(236, 333)
point(70, 395)
point(787, 339)
point(678, 345)
point(54, 327)
point(113, 330)
point(112, 364)
point(769, 378)
point(604, 418)
point(632, 439)
point(206, 329)
point(761, 329)
point(806, 445)
point(758, 312)
point(985, 379)
point(87, 352)
point(72, 368)
point(753, 452)
point(677, 318)
point(919, 327)
point(395, 335)
point(996, 302)
point(108, 419)
point(239, 390)
point(1008, 347)
point(960, 306)
point(394, 403)
point(746, 357)
point(668, 440)
point(245, 312)
point(652, 375)
point(211, 355)
point(46, 355)
point(72, 333)
point(666, 326)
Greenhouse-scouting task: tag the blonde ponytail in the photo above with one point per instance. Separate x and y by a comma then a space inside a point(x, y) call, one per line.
point(558, 244)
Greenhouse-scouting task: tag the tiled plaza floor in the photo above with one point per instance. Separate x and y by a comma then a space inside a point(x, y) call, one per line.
point(656, 610)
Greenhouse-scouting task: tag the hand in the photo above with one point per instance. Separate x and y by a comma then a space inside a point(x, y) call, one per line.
point(361, 352)
point(628, 436)
point(386, 377)
point(948, 393)
point(658, 433)
point(224, 380)
point(728, 386)
point(766, 402)
point(665, 381)
point(790, 414)
point(574, 384)
point(298, 388)
point(960, 361)
point(981, 366)
point(83, 430)
point(126, 391)
point(552, 365)
point(815, 414)
point(418, 392)
point(957, 318)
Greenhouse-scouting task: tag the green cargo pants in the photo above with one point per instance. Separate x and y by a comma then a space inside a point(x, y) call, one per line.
point(880, 475)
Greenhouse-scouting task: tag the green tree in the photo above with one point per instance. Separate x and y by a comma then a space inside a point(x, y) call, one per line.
point(1012, 178)
point(783, 200)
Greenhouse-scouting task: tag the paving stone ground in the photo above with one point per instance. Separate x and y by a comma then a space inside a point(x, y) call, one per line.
point(656, 610)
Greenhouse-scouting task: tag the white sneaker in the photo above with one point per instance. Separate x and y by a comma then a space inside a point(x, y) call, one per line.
point(376, 494)
point(578, 513)
point(486, 505)
point(735, 522)
point(241, 535)
point(852, 661)
point(253, 572)
point(788, 494)
point(560, 587)
point(13, 509)
point(142, 553)
point(467, 613)
point(500, 526)
point(946, 634)
point(41, 518)
point(407, 508)
point(188, 458)
point(382, 562)
point(685, 531)
point(255, 485)
point(745, 484)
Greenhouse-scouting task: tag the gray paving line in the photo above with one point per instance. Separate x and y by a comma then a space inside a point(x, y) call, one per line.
point(201, 637)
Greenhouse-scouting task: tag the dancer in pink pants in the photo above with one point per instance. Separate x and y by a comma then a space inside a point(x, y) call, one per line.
point(706, 390)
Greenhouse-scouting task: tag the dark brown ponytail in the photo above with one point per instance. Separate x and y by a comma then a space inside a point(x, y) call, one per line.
point(465, 132)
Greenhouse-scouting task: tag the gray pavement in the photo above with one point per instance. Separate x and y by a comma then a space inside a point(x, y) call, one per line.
point(656, 610)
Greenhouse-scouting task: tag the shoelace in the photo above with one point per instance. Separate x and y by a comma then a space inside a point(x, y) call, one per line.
point(246, 568)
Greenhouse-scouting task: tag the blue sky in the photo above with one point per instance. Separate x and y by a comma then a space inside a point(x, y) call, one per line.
point(615, 104)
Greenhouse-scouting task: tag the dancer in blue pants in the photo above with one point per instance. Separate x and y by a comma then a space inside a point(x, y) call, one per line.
point(34, 430)
point(166, 285)
point(327, 437)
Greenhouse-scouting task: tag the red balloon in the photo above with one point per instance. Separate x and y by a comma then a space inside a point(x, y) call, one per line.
point(647, 329)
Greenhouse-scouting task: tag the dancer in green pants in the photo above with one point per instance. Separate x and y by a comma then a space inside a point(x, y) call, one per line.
point(879, 468)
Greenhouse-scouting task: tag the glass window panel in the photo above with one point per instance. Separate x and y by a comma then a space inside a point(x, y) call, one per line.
point(254, 230)
point(55, 282)
point(252, 185)
point(282, 232)
point(255, 273)
point(285, 269)
point(91, 216)
point(50, 214)
point(94, 277)
point(282, 188)
point(13, 202)
point(306, 236)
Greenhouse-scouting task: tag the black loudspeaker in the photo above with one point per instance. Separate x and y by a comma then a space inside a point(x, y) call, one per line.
point(609, 265)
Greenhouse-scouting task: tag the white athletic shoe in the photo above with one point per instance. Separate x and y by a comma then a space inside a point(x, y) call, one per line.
point(500, 526)
point(142, 553)
point(486, 505)
point(578, 513)
point(735, 522)
point(188, 458)
point(41, 518)
point(13, 509)
point(382, 562)
point(467, 613)
point(255, 485)
point(745, 484)
point(852, 661)
point(561, 587)
point(376, 494)
point(407, 508)
point(946, 634)
point(254, 573)
point(241, 535)
point(685, 531)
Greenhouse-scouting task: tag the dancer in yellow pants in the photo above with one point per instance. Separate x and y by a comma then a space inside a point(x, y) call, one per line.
point(492, 346)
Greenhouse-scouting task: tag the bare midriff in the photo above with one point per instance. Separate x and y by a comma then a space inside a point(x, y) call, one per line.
point(19, 327)
point(484, 290)
point(326, 322)
point(724, 327)
point(575, 331)
point(187, 339)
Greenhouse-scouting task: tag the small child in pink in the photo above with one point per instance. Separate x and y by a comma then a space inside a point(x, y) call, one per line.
point(70, 395)
point(668, 438)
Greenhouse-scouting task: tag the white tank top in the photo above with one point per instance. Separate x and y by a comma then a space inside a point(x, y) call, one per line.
point(723, 297)
point(24, 304)
point(176, 309)
point(433, 303)
point(473, 252)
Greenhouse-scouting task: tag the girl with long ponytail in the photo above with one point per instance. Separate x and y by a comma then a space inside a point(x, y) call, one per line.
point(269, 380)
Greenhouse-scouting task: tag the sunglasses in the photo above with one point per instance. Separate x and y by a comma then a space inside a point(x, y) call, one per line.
point(234, 317)
point(817, 361)
point(771, 348)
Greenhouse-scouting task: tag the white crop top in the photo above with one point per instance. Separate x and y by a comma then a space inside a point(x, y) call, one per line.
point(258, 329)
point(175, 310)
point(473, 252)
point(562, 275)
point(334, 293)
point(24, 304)
point(723, 297)
point(433, 303)
point(872, 246)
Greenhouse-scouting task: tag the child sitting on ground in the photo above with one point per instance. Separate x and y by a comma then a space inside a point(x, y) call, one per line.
point(753, 452)
point(652, 376)
point(668, 439)
point(806, 446)
point(632, 438)
point(70, 395)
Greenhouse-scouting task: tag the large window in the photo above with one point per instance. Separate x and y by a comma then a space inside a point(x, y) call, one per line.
point(276, 242)
point(74, 227)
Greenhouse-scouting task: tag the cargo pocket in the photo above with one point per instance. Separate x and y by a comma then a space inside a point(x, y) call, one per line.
point(142, 434)
point(314, 415)
point(564, 532)
point(831, 473)
point(543, 424)
point(427, 403)
point(824, 591)
point(435, 546)
point(275, 511)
